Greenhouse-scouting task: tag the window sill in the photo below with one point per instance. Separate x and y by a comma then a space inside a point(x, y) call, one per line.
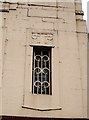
point(37, 109)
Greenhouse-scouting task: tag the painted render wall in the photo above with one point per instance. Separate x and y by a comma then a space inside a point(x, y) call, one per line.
point(88, 77)
point(61, 26)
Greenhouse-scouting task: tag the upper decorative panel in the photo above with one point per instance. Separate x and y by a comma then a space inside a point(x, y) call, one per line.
point(42, 37)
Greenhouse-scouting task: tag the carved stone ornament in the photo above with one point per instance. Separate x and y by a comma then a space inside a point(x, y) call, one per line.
point(79, 12)
point(47, 36)
point(35, 35)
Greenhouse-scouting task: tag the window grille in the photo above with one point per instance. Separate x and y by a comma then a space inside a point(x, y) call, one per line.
point(41, 74)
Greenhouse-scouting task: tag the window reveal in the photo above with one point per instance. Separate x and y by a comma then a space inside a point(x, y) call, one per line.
point(41, 80)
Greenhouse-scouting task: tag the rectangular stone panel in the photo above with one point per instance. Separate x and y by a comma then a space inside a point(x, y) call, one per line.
point(41, 12)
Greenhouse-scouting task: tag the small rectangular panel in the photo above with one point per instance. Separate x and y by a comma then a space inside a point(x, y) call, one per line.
point(41, 37)
point(42, 12)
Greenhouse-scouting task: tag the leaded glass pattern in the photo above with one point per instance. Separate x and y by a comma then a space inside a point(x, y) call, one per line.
point(41, 70)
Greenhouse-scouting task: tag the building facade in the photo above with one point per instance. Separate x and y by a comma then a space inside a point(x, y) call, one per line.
point(88, 15)
point(88, 77)
point(44, 60)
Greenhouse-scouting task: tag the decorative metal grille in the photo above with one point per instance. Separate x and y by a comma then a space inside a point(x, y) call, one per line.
point(41, 70)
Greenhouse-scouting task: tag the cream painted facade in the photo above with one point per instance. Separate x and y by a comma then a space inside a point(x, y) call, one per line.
point(59, 25)
point(88, 77)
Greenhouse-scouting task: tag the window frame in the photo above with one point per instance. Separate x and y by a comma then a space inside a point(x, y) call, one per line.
point(49, 49)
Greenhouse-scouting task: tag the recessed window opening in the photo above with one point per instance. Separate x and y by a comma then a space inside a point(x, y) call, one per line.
point(41, 71)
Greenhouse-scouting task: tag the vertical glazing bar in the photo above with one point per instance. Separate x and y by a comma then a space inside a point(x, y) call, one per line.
point(37, 83)
point(45, 80)
point(38, 77)
point(41, 72)
point(33, 69)
point(45, 76)
point(49, 72)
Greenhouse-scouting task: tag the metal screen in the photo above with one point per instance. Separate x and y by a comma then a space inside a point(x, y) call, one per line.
point(41, 70)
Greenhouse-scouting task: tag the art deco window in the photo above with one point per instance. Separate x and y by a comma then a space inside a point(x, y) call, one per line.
point(41, 71)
